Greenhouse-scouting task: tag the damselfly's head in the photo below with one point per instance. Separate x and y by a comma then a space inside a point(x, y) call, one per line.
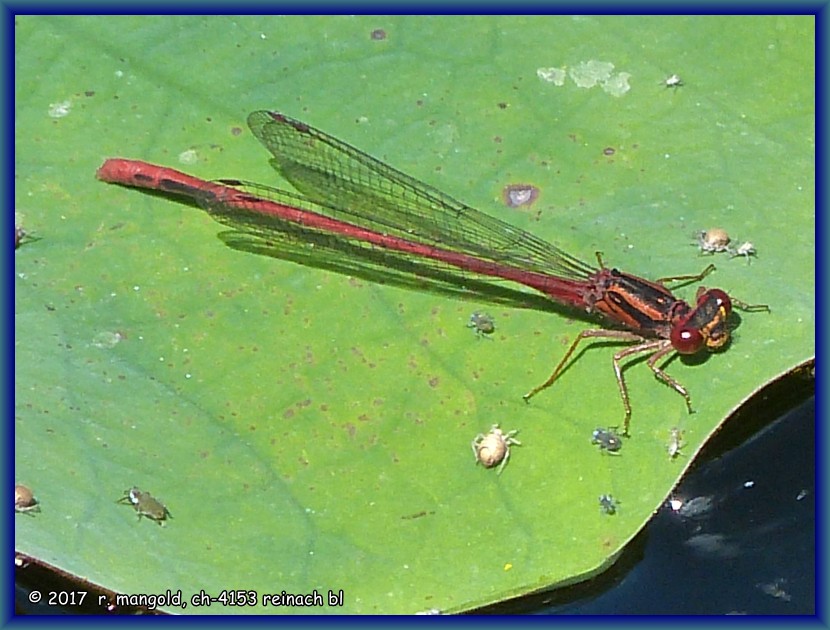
point(706, 324)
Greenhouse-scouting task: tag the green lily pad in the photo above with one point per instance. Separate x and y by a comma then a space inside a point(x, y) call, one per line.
point(310, 430)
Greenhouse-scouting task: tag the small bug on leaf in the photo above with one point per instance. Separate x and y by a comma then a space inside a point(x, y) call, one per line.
point(24, 500)
point(608, 504)
point(746, 250)
point(146, 505)
point(675, 442)
point(494, 448)
point(713, 240)
point(674, 81)
point(483, 323)
point(608, 440)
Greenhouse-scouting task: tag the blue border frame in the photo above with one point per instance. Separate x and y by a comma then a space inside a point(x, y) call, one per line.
point(819, 9)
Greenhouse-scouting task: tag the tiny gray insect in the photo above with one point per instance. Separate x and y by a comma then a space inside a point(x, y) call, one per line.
point(483, 323)
point(608, 440)
point(146, 505)
point(608, 504)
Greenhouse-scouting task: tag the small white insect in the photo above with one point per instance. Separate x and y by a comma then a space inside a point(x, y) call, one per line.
point(675, 442)
point(775, 589)
point(494, 448)
point(517, 195)
point(745, 249)
point(713, 240)
point(674, 81)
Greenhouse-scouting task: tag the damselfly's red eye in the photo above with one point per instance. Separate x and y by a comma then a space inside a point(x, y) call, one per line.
point(721, 298)
point(686, 340)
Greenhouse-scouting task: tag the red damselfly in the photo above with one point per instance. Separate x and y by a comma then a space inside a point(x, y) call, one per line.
point(350, 195)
